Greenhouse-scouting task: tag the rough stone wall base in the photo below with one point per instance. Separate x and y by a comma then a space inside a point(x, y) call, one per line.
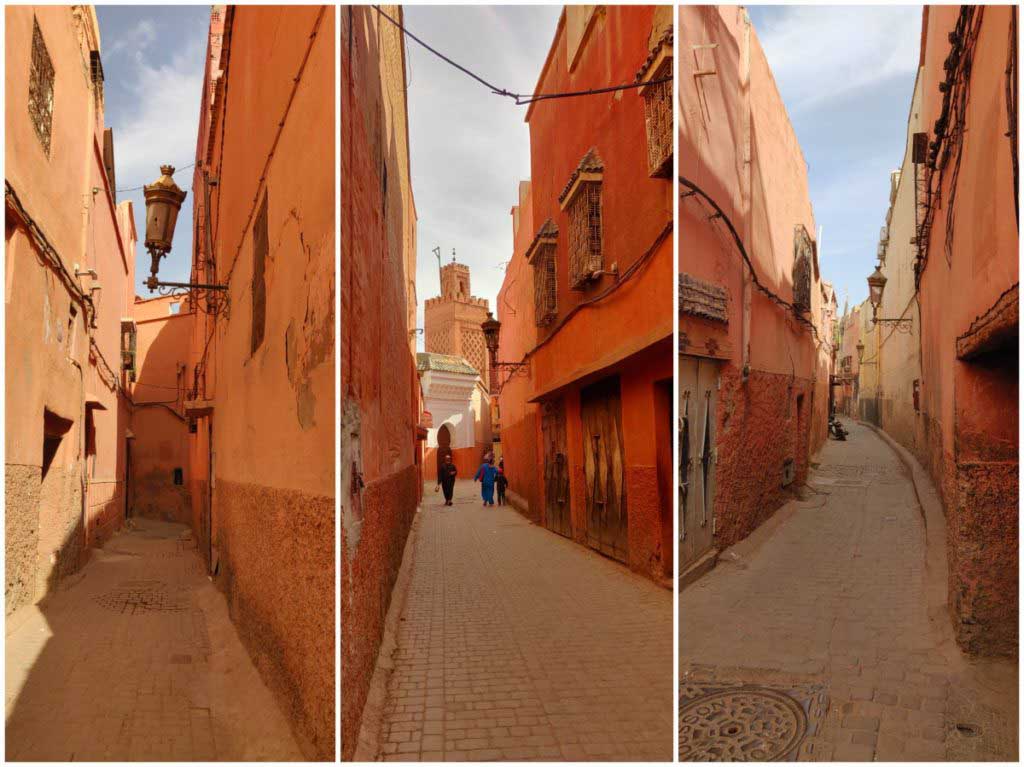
point(21, 530)
point(757, 432)
point(983, 558)
point(277, 568)
point(369, 570)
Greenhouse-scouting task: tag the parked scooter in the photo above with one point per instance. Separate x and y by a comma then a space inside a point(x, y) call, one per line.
point(835, 428)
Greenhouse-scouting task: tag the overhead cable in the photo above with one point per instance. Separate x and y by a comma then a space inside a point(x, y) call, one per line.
point(519, 98)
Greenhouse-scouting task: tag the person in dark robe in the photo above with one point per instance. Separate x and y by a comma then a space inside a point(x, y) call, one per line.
point(501, 482)
point(446, 478)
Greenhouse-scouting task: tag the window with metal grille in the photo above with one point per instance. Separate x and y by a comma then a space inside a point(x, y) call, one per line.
point(260, 241)
point(658, 115)
point(541, 256)
point(585, 256)
point(803, 256)
point(40, 88)
point(581, 200)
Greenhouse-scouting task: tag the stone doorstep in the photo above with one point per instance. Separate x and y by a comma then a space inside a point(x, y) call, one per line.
point(698, 569)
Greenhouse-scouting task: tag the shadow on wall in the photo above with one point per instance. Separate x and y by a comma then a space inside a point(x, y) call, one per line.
point(377, 504)
point(159, 453)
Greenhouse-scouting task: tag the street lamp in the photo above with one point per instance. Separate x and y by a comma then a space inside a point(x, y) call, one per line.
point(876, 287)
point(492, 332)
point(163, 202)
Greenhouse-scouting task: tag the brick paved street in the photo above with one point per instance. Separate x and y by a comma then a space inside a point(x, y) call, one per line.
point(830, 597)
point(135, 658)
point(515, 643)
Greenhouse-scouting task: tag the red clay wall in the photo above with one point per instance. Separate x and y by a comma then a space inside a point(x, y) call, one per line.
point(381, 478)
point(628, 332)
point(969, 335)
point(726, 118)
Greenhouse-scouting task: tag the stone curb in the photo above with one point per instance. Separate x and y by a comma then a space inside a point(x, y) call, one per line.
point(934, 517)
point(368, 742)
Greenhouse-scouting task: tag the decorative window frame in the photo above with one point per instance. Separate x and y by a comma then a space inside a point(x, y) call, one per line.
point(581, 200)
point(41, 87)
point(541, 255)
point(803, 269)
point(658, 111)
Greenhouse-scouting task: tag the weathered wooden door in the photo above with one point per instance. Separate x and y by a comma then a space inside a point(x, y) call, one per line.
point(607, 521)
point(697, 409)
point(556, 468)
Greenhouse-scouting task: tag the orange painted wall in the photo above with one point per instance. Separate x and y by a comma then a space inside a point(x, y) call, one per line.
point(520, 424)
point(970, 399)
point(628, 332)
point(158, 422)
point(768, 360)
point(62, 337)
point(381, 471)
point(269, 136)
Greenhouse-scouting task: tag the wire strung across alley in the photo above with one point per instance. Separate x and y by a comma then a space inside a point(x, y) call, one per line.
point(136, 188)
point(519, 98)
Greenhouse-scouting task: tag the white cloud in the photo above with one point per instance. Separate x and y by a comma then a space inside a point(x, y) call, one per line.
point(134, 42)
point(163, 126)
point(824, 52)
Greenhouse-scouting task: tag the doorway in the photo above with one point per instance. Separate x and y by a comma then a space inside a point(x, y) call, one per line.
point(698, 389)
point(604, 470)
point(557, 517)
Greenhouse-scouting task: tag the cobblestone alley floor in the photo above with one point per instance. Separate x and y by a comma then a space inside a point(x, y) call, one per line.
point(517, 644)
point(135, 658)
point(813, 638)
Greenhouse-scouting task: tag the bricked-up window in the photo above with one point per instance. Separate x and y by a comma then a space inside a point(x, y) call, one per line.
point(541, 256)
point(803, 264)
point(260, 240)
point(657, 97)
point(581, 199)
point(40, 88)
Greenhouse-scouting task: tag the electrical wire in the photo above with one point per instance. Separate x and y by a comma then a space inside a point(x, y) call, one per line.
point(136, 188)
point(519, 98)
point(720, 214)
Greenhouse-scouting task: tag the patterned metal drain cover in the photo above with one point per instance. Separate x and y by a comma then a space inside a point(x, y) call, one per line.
point(742, 723)
point(134, 597)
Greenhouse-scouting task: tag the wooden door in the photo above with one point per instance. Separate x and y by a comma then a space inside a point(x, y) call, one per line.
point(697, 413)
point(556, 468)
point(607, 521)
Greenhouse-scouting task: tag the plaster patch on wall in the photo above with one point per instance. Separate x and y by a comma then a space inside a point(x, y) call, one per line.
point(351, 456)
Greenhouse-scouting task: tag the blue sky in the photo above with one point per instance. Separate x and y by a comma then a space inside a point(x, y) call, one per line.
point(469, 148)
point(846, 74)
point(153, 61)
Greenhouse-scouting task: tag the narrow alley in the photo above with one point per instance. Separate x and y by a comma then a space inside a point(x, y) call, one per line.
point(832, 617)
point(514, 643)
point(148, 662)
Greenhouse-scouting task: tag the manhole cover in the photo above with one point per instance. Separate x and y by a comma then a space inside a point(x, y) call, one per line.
point(133, 597)
point(746, 724)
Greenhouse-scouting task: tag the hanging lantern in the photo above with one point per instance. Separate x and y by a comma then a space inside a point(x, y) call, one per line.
point(491, 328)
point(163, 201)
point(876, 286)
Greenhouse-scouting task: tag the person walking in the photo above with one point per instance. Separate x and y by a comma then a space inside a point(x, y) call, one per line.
point(501, 482)
point(446, 478)
point(486, 475)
